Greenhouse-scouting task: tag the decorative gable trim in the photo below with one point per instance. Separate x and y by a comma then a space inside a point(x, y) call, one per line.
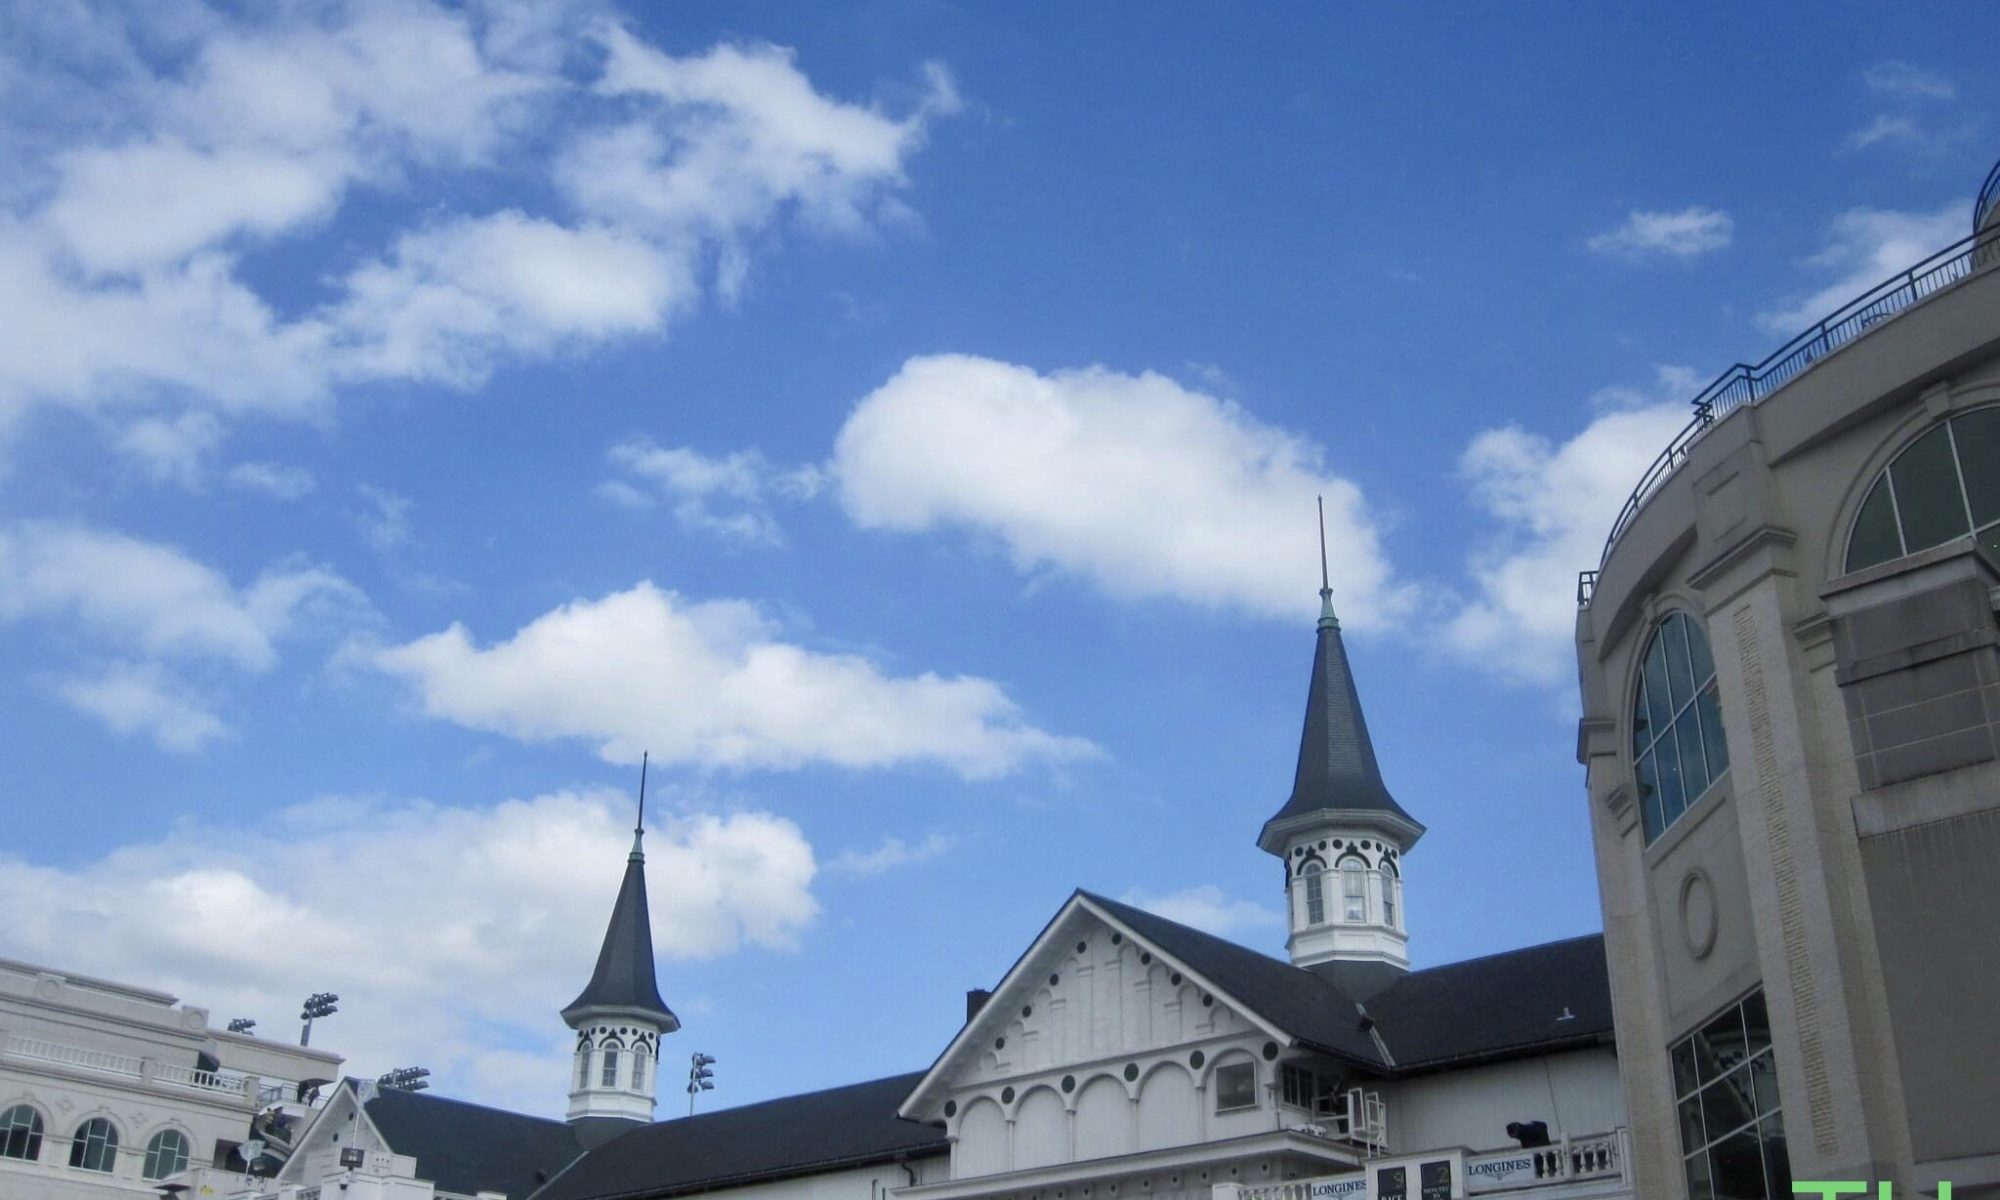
point(1020, 984)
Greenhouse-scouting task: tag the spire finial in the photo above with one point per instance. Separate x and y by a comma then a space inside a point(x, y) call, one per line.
point(1326, 618)
point(639, 825)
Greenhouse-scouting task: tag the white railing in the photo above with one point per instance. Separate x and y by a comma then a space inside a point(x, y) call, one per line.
point(1596, 1156)
point(130, 1065)
point(195, 1077)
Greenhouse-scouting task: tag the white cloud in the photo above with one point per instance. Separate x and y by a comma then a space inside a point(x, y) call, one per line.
point(152, 598)
point(245, 920)
point(1687, 233)
point(452, 299)
point(1552, 506)
point(892, 853)
point(172, 449)
point(1885, 128)
point(134, 202)
point(1133, 482)
point(139, 698)
point(1866, 246)
point(1205, 907)
point(708, 683)
point(385, 522)
point(162, 614)
point(728, 497)
point(1907, 82)
point(276, 480)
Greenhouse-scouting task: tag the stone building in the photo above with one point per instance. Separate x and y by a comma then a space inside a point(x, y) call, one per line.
point(111, 1090)
point(1790, 673)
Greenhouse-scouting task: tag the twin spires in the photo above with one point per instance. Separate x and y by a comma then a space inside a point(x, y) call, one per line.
point(1340, 834)
point(619, 1016)
point(625, 979)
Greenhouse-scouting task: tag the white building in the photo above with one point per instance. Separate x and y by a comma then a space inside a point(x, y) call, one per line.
point(1122, 1056)
point(110, 1090)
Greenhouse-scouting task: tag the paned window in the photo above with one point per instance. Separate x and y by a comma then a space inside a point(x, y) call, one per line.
point(1315, 892)
point(1235, 1086)
point(1945, 485)
point(1353, 892)
point(610, 1076)
point(1390, 885)
point(583, 1068)
point(1732, 1129)
point(166, 1154)
point(1677, 745)
point(1303, 1087)
point(95, 1145)
point(21, 1133)
point(638, 1069)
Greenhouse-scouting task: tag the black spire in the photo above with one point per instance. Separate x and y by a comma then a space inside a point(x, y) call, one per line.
point(624, 977)
point(1337, 771)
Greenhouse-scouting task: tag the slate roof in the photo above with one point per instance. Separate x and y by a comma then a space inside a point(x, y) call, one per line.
point(470, 1148)
point(1337, 769)
point(818, 1131)
point(624, 977)
point(1499, 1006)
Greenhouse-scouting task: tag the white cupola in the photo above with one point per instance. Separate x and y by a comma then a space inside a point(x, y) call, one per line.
point(1341, 836)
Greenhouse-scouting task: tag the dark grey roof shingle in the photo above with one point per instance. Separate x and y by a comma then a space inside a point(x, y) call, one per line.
point(624, 977)
point(1337, 769)
point(844, 1126)
point(469, 1148)
point(1498, 1005)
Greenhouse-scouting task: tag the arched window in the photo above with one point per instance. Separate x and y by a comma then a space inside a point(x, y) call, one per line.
point(610, 1076)
point(95, 1145)
point(166, 1154)
point(638, 1068)
point(583, 1066)
point(1313, 873)
point(1389, 886)
point(1945, 485)
point(21, 1133)
point(1677, 744)
point(1353, 891)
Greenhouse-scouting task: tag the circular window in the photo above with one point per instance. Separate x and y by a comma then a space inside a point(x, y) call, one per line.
point(1196, 1059)
point(1027, 1010)
point(999, 1043)
point(1007, 1095)
point(1069, 1083)
point(951, 1108)
point(1270, 1051)
point(1131, 1072)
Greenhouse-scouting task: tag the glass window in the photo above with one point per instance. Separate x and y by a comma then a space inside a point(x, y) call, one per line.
point(1677, 745)
point(638, 1069)
point(166, 1154)
point(610, 1077)
point(1945, 485)
point(94, 1146)
point(1388, 895)
point(1315, 892)
point(1732, 1130)
point(1353, 892)
point(1235, 1086)
point(583, 1068)
point(21, 1133)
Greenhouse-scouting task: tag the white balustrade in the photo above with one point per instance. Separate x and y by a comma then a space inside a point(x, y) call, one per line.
point(74, 1056)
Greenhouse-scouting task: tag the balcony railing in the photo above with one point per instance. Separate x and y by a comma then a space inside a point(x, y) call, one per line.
point(130, 1066)
point(1747, 384)
point(1989, 195)
point(1598, 1156)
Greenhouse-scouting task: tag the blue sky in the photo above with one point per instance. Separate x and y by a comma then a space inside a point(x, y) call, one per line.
point(902, 419)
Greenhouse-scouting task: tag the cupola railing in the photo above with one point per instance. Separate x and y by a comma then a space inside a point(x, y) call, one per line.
point(1745, 383)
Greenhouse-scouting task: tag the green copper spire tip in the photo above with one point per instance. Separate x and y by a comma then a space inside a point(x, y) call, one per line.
point(1326, 618)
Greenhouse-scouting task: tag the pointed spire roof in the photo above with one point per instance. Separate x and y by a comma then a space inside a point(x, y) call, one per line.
point(1337, 772)
point(624, 978)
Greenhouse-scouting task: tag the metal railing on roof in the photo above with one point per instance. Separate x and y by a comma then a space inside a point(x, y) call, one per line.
point(1989, 195)
point(1747, 384)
